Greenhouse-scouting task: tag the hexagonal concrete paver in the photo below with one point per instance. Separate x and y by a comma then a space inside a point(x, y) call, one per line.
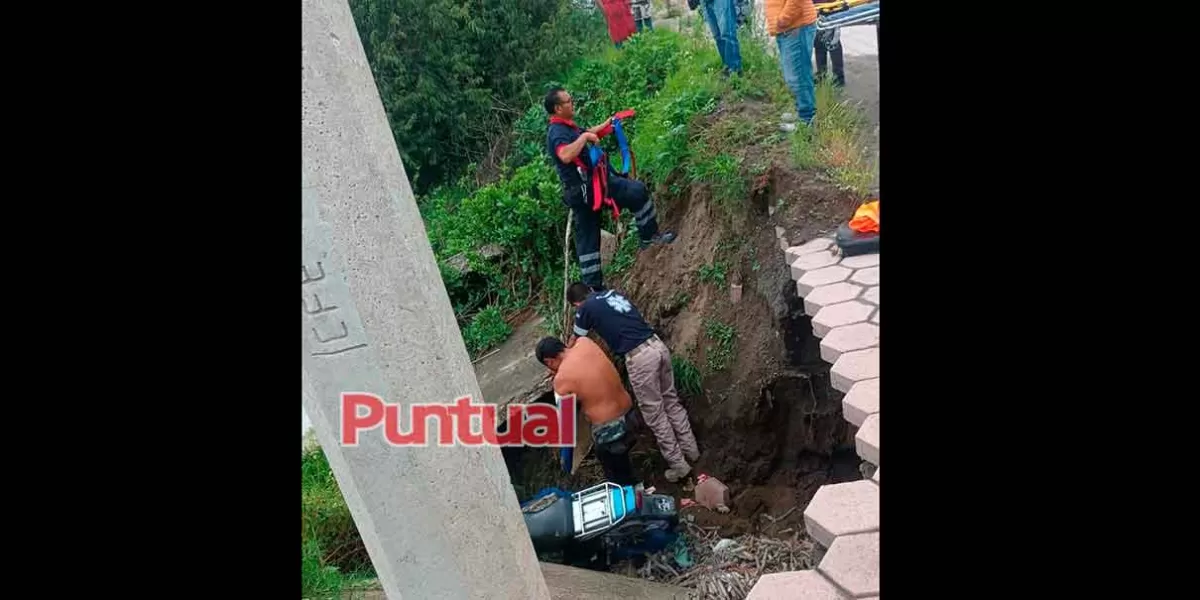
point(852, 367)
point(871, 295)
point(866, 441)
point(795, 585)
point(812, 262)
point(861, 401)
point(842, 509)
point(853, 563)
point(833, 293)
point(837, 315)
point(847, 338)
point(862, 261)
point(815, 279)
point(816, 245)
point(866, 276)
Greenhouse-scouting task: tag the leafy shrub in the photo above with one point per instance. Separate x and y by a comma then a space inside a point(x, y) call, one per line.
point(453, 73)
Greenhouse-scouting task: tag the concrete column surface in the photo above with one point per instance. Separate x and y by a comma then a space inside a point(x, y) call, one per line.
point(438, 522)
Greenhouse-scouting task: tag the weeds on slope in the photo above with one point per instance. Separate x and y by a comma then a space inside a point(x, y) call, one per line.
point(671, 80)
point(667, 79)
point(333, 558)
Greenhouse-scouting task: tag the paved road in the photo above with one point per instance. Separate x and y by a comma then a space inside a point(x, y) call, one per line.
point(860, 50)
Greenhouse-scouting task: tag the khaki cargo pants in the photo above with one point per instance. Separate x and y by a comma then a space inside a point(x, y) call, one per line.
point(653, 382)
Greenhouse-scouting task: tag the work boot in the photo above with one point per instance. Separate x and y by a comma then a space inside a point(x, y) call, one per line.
point(674, 474)
point(659, 238)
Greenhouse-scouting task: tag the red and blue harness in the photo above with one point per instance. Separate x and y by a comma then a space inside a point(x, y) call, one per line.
point(599, 161)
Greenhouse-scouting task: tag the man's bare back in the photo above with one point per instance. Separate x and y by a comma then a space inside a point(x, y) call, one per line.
point(587, 372)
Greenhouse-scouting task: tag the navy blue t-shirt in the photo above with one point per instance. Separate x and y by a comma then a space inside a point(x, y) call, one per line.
point(615, 318)
point(560, 134)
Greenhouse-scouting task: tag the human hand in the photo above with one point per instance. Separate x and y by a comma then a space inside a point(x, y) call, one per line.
point(590, 137)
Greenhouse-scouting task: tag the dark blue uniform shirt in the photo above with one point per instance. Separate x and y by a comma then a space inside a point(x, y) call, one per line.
point(615, 318)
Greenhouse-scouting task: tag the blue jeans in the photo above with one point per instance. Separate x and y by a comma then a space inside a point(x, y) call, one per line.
point(721, 17)
point(795, 56)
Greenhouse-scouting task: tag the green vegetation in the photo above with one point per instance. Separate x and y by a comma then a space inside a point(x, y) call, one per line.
point(673, 81)
point(453, 75)
point(687, 376)
point(835, 142)
point(714, 272)
point(333, 558)
point(487, 329)
point(667, 78)
point(724, 338)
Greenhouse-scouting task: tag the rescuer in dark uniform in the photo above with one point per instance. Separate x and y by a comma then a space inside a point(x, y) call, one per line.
point(566, 143)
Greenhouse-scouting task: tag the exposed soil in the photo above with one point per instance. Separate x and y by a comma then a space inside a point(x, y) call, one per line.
point(768, 423)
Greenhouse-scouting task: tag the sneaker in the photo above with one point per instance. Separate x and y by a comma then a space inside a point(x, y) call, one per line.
point(660, 238)
point(675, 474)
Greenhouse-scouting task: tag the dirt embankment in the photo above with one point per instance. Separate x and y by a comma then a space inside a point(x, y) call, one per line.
point(768, 422)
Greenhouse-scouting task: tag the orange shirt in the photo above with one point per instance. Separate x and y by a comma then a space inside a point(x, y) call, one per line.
point(792, 13)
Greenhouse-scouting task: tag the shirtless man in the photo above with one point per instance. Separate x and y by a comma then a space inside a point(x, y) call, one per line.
point(586, 372)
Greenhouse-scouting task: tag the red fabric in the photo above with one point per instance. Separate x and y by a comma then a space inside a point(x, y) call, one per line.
point(562, 121)
point(619, 15)
point(600, 173)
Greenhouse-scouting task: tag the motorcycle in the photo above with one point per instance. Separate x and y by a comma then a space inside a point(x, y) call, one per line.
point(600, 523)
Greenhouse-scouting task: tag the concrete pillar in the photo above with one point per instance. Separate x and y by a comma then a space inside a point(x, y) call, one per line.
point(438, 522)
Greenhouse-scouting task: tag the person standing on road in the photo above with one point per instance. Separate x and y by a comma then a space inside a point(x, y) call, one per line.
point(794, 25)
point(648, 362)
point(584, 372)
point(619, 16)
point(567, 144)
point(828, 45)
point(642, 14)
point(721, 16)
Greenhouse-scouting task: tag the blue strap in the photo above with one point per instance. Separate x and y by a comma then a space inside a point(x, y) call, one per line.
point(595, 154)
point(623, 143)
point(567, 456)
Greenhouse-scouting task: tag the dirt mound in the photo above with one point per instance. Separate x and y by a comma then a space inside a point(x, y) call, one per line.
point(768, 422)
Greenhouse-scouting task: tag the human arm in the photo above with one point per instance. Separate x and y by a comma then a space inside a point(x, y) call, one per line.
point(580, 327)
point(564, 390)
point(568, 152)
point(601, 127)
point(789, 15)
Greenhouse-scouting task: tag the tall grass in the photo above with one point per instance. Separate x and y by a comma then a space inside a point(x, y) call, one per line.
point(333, 558)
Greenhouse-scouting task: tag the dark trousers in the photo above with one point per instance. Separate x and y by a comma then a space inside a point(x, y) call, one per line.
point(630, 195)
point(827, 52)
point(614, 458)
